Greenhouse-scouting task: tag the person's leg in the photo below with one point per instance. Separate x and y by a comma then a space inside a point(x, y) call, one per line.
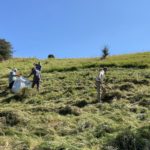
point(11, 84)
point(38, 85)
point(33, 84)
point(98, 91)
point(101, 93)
point(103, 90)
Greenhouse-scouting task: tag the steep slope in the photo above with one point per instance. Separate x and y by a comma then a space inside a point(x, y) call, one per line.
point(66, 115)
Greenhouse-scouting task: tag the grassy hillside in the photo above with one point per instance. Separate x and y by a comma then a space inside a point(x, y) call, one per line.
point(65, 114)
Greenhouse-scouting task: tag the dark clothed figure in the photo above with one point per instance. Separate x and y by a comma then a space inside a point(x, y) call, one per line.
point(36, 78)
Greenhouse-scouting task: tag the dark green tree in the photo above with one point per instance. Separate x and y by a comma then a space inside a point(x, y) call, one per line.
point(51, 56)
point(5, 49)
point(105, 52)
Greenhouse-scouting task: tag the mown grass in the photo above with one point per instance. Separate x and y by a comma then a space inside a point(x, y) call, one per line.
point(66, 115)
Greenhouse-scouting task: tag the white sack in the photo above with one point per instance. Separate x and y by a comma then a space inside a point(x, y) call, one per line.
point(20, 83)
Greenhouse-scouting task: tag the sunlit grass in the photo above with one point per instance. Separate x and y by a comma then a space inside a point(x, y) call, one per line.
point(66, 115)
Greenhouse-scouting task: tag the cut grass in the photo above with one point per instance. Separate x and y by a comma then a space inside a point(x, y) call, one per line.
point(66, 115)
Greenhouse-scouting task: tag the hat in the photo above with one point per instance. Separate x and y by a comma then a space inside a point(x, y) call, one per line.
point(105, 69)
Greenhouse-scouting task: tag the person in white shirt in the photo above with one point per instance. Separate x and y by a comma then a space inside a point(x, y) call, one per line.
point(99, 83)
point(101, 75)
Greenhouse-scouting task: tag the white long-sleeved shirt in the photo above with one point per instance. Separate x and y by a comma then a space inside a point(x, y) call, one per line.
point(101, 76)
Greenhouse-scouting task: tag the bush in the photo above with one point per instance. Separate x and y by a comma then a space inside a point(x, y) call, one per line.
point(51, 56)
point(5, 50)
point(105, 52)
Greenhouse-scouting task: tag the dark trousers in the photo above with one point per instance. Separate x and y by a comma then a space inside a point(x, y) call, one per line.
point(37, 83)
point(11, 84)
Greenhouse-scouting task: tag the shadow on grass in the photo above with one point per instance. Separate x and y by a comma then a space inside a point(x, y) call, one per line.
point(12, 98)
point(11, 118)
point(4, 93)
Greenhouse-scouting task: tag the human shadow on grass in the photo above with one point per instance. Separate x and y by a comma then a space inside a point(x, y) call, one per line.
point(4, 93)
point(12, 98)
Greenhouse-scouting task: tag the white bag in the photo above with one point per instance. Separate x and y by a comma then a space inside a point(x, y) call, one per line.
point(20, 83)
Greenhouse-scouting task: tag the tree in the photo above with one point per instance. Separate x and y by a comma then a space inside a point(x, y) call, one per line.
point(105, 52)
point(5, 49)
point(51, 56)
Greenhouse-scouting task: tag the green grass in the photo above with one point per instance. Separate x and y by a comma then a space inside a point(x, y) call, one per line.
point(66, 115)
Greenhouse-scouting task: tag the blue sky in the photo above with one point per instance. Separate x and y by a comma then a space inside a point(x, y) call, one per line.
point(75, 28)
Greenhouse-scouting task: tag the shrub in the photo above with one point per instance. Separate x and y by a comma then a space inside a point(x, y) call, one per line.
point(51, 56)
point(105, 52)
point(5, 50)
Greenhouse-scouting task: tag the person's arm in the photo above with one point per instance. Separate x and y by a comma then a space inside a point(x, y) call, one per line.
point(31, 73)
